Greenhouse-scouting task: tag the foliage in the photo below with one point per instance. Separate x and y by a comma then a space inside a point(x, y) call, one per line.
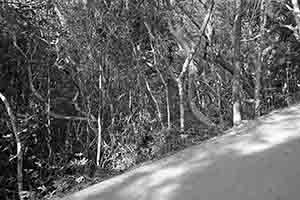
point(74, 70)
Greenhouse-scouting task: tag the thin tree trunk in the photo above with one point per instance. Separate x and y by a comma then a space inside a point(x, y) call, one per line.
point(259, 65)
point(62, 19)
point(88, 140)
point(288, 78)
point(196, 112)
point(19, 145)
point(159, 113)
point(181, 104)
point(296, 9)
point(190, 52)
point(43, 100)
point(218, 91)
point(237, 64)
point(258, 87)
point(99, 118)
point(151, 36)
point(167, 97)
point(168, 105)
point(130, 101)
point(219, 85)
point(48, 115)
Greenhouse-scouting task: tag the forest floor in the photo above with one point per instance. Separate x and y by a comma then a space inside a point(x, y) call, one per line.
point(257, 160)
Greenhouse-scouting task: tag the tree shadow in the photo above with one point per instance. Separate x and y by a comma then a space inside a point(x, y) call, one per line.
point(257, 161)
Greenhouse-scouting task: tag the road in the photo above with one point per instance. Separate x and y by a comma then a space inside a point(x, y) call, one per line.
point(258, 161)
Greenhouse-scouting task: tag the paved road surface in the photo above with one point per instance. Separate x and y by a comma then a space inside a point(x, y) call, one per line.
point(260, 161)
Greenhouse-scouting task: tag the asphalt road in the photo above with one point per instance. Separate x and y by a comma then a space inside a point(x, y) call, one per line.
point(258, 161)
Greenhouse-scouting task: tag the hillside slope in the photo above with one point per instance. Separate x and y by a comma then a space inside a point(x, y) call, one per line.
point(260, 160)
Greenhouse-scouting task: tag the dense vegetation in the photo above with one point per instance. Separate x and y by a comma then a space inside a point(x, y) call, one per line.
point(91, 88)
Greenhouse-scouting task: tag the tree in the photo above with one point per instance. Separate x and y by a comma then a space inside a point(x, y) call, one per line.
point(237, 63)
point(259, 64)
point(190, 49)
point(19, 154)
point(112, 83)
point(296, 12)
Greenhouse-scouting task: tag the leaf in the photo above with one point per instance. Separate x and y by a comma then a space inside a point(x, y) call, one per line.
point(80, 179)
point(42, 188)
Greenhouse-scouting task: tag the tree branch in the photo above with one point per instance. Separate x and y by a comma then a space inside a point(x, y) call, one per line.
point(19, 145)
point(42, 99)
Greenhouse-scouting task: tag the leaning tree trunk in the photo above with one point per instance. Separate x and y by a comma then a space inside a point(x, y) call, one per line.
point(19, 145)
point(159, 113)
point(237, 64)
point(296, 10)
point(190, 48)
point(196, 112)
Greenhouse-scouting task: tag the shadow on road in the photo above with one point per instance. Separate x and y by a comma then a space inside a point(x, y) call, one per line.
point(260, 160)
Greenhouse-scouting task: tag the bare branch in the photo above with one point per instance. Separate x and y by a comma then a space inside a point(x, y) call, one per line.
point(17, 46)
point(19, 145)
point(251, 39)
point(42, 99)
point(159, 114)
point(189, 58)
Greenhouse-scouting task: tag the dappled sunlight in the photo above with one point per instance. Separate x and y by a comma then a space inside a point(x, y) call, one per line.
point(248, 147)
point(246, 163)
point(268, 134)
point(198, 165)
point(140, 187)
point(197, 157)
point(136, 190)
point(166, 174)
point(161, 179)
point(148, 168)
point(165, 192)
point(94, 190)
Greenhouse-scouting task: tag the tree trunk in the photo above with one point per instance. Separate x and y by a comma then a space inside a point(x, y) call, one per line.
point(19, 145)
point(218, 86)
point(258, 86)
point(48, 115)
point(224, 65)
point(297, 15)
point(167, 97)
point(237, 64)
point(181, 104)
point(98, 159)
point(43, 100)
point(288, 78)
point(130, 101)
point(189, 53)
point(159, 113)
point(196, 112)
point(259, 66)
